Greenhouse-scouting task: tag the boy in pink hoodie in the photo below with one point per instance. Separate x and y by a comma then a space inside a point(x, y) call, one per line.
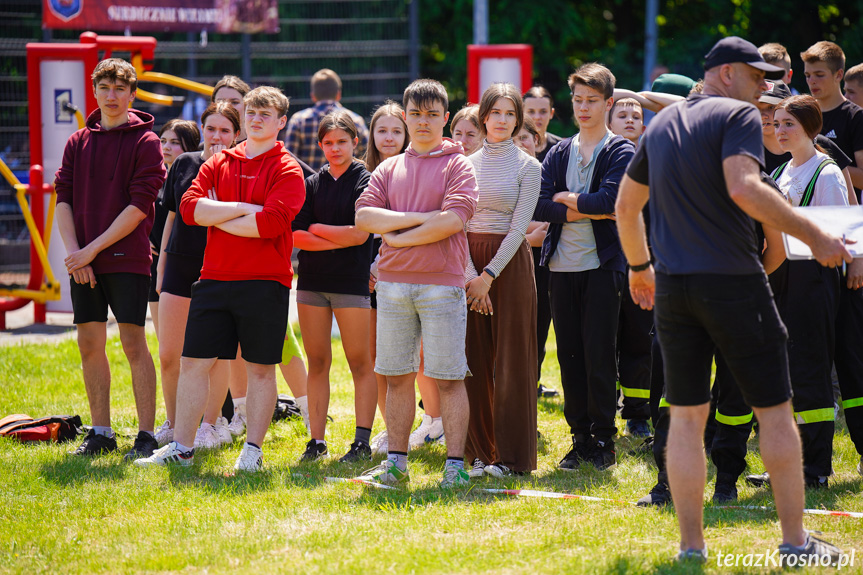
point(420, 202)
point(109, 178)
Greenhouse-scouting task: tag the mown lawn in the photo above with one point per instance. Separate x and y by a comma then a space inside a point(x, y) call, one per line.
point(70, 515)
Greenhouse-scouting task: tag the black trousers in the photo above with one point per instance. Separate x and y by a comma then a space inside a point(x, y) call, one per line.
point(734, 421)
point(634, 345)
point(543, 308)
point(849, 359)
point(807, 296)
point(585, 307)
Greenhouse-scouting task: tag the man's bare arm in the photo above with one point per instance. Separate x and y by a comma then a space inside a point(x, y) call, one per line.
point(631, 199)
point(436, 228)
point(243, 226)
point(762, 203)
point(856, 172)
point(381, 220)
point(310, 242)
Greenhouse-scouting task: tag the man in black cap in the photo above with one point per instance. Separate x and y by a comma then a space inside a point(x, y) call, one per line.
point(700, 160)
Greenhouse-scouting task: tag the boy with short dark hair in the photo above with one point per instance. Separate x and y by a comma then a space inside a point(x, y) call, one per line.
point(419, 202)
point(777, 55)
point(580, 177)
point(824, 67)
point(107, 183)
point(854, 84)
point(247, 196)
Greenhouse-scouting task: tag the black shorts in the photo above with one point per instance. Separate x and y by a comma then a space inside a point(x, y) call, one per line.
point(253, 313)
point(126, 293)
point(735, 315)
point(153, 295)
point(180, 273)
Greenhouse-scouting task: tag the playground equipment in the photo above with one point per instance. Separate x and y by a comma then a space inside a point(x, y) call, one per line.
point(60, 97)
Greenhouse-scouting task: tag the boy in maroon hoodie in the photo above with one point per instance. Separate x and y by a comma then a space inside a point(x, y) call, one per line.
point(247, 197)
point(420, 202)
point(109, 178)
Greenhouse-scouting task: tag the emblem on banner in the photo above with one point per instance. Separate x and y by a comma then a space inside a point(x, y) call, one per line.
point(65, 9)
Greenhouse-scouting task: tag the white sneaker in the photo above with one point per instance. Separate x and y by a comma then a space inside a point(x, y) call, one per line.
point(164, 434)
point(238, 422)
point(207, 437)
point(380, 443)
point(429, 431)
point(251, 459)
point(223, 432)
point(168, 454)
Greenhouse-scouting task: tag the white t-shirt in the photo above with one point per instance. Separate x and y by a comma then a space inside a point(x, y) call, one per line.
point(830, 187)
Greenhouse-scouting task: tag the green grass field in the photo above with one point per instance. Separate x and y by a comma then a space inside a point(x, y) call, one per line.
point(69, 515)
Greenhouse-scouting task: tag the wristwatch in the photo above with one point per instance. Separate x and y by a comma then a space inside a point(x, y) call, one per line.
point(640, 268)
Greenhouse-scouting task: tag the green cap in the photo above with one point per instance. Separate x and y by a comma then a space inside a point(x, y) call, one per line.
point(673, 84)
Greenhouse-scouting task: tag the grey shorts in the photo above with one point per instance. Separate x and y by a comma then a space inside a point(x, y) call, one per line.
point(332, 300)
point(432, 314)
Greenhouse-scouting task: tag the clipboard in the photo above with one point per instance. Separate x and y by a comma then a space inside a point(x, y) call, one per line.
point(835, 220)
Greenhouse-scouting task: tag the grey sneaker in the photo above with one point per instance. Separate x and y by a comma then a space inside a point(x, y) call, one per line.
point(454, 476)
point(694, 555)
point(811, 552)
point(387, 473)
point(164, 434)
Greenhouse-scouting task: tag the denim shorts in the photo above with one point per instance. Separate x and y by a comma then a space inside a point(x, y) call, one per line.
point(432, 314)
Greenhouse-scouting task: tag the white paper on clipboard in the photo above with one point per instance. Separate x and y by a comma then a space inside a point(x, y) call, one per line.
point(836, 220)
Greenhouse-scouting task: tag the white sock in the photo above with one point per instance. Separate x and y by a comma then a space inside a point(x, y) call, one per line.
point(183, 448)
point(303, 403)
point(238, 402)
point(103, 430)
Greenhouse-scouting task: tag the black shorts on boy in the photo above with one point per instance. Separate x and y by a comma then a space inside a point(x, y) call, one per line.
point(252, 313)
point(125, 293)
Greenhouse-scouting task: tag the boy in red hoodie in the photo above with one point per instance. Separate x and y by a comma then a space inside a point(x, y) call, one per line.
point(420, 202)
point(247, 197)
point(109, 178)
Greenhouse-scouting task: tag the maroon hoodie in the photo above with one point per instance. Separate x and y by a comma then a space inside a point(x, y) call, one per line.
point(102, 173)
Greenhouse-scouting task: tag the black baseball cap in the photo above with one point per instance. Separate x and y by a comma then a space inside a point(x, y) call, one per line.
point(776, 92)
point(733, 49)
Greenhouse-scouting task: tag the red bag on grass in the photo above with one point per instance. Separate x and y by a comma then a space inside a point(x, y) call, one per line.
point(53, 428)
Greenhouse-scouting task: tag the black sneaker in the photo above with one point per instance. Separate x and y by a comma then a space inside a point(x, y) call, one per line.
point(314, 451)
point(759, 479)
point(602, 455)
point(814, 482)
point(95, 444)
point(581, 450)
point(811, 552)
point(638, 428)
point(359, 452)
point(543, 391)
point(659, 496)
point(144, 446)
point(725, 490)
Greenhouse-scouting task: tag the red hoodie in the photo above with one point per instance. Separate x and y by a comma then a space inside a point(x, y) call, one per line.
point(273, 180)
point(102, 173)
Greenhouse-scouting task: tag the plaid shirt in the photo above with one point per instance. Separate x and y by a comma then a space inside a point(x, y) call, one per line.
point(302, 134)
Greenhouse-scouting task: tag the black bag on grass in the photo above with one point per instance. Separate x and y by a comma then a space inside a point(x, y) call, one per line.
point(286, 408)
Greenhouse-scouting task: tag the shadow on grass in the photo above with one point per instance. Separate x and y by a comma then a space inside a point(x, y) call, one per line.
point(221, 482)
point(74, 470)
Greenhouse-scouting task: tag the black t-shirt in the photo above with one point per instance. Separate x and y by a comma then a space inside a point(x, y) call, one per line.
point(773, 161)
point(695, 227)
point(550, 141)
point(329, 201)
point(159, 220)
point(185, 240)
point(844, 125)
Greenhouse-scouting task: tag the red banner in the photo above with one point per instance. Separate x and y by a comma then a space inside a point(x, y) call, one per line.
point(251, 16)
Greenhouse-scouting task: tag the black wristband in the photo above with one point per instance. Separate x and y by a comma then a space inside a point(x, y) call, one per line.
point(640, 268)
point(489, 272)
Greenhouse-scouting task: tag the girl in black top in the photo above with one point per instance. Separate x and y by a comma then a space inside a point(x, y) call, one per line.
point(179, 267)
point(333, 278)
point(177, 137)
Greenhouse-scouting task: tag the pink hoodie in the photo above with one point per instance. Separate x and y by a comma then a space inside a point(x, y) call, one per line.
point(443, 179)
